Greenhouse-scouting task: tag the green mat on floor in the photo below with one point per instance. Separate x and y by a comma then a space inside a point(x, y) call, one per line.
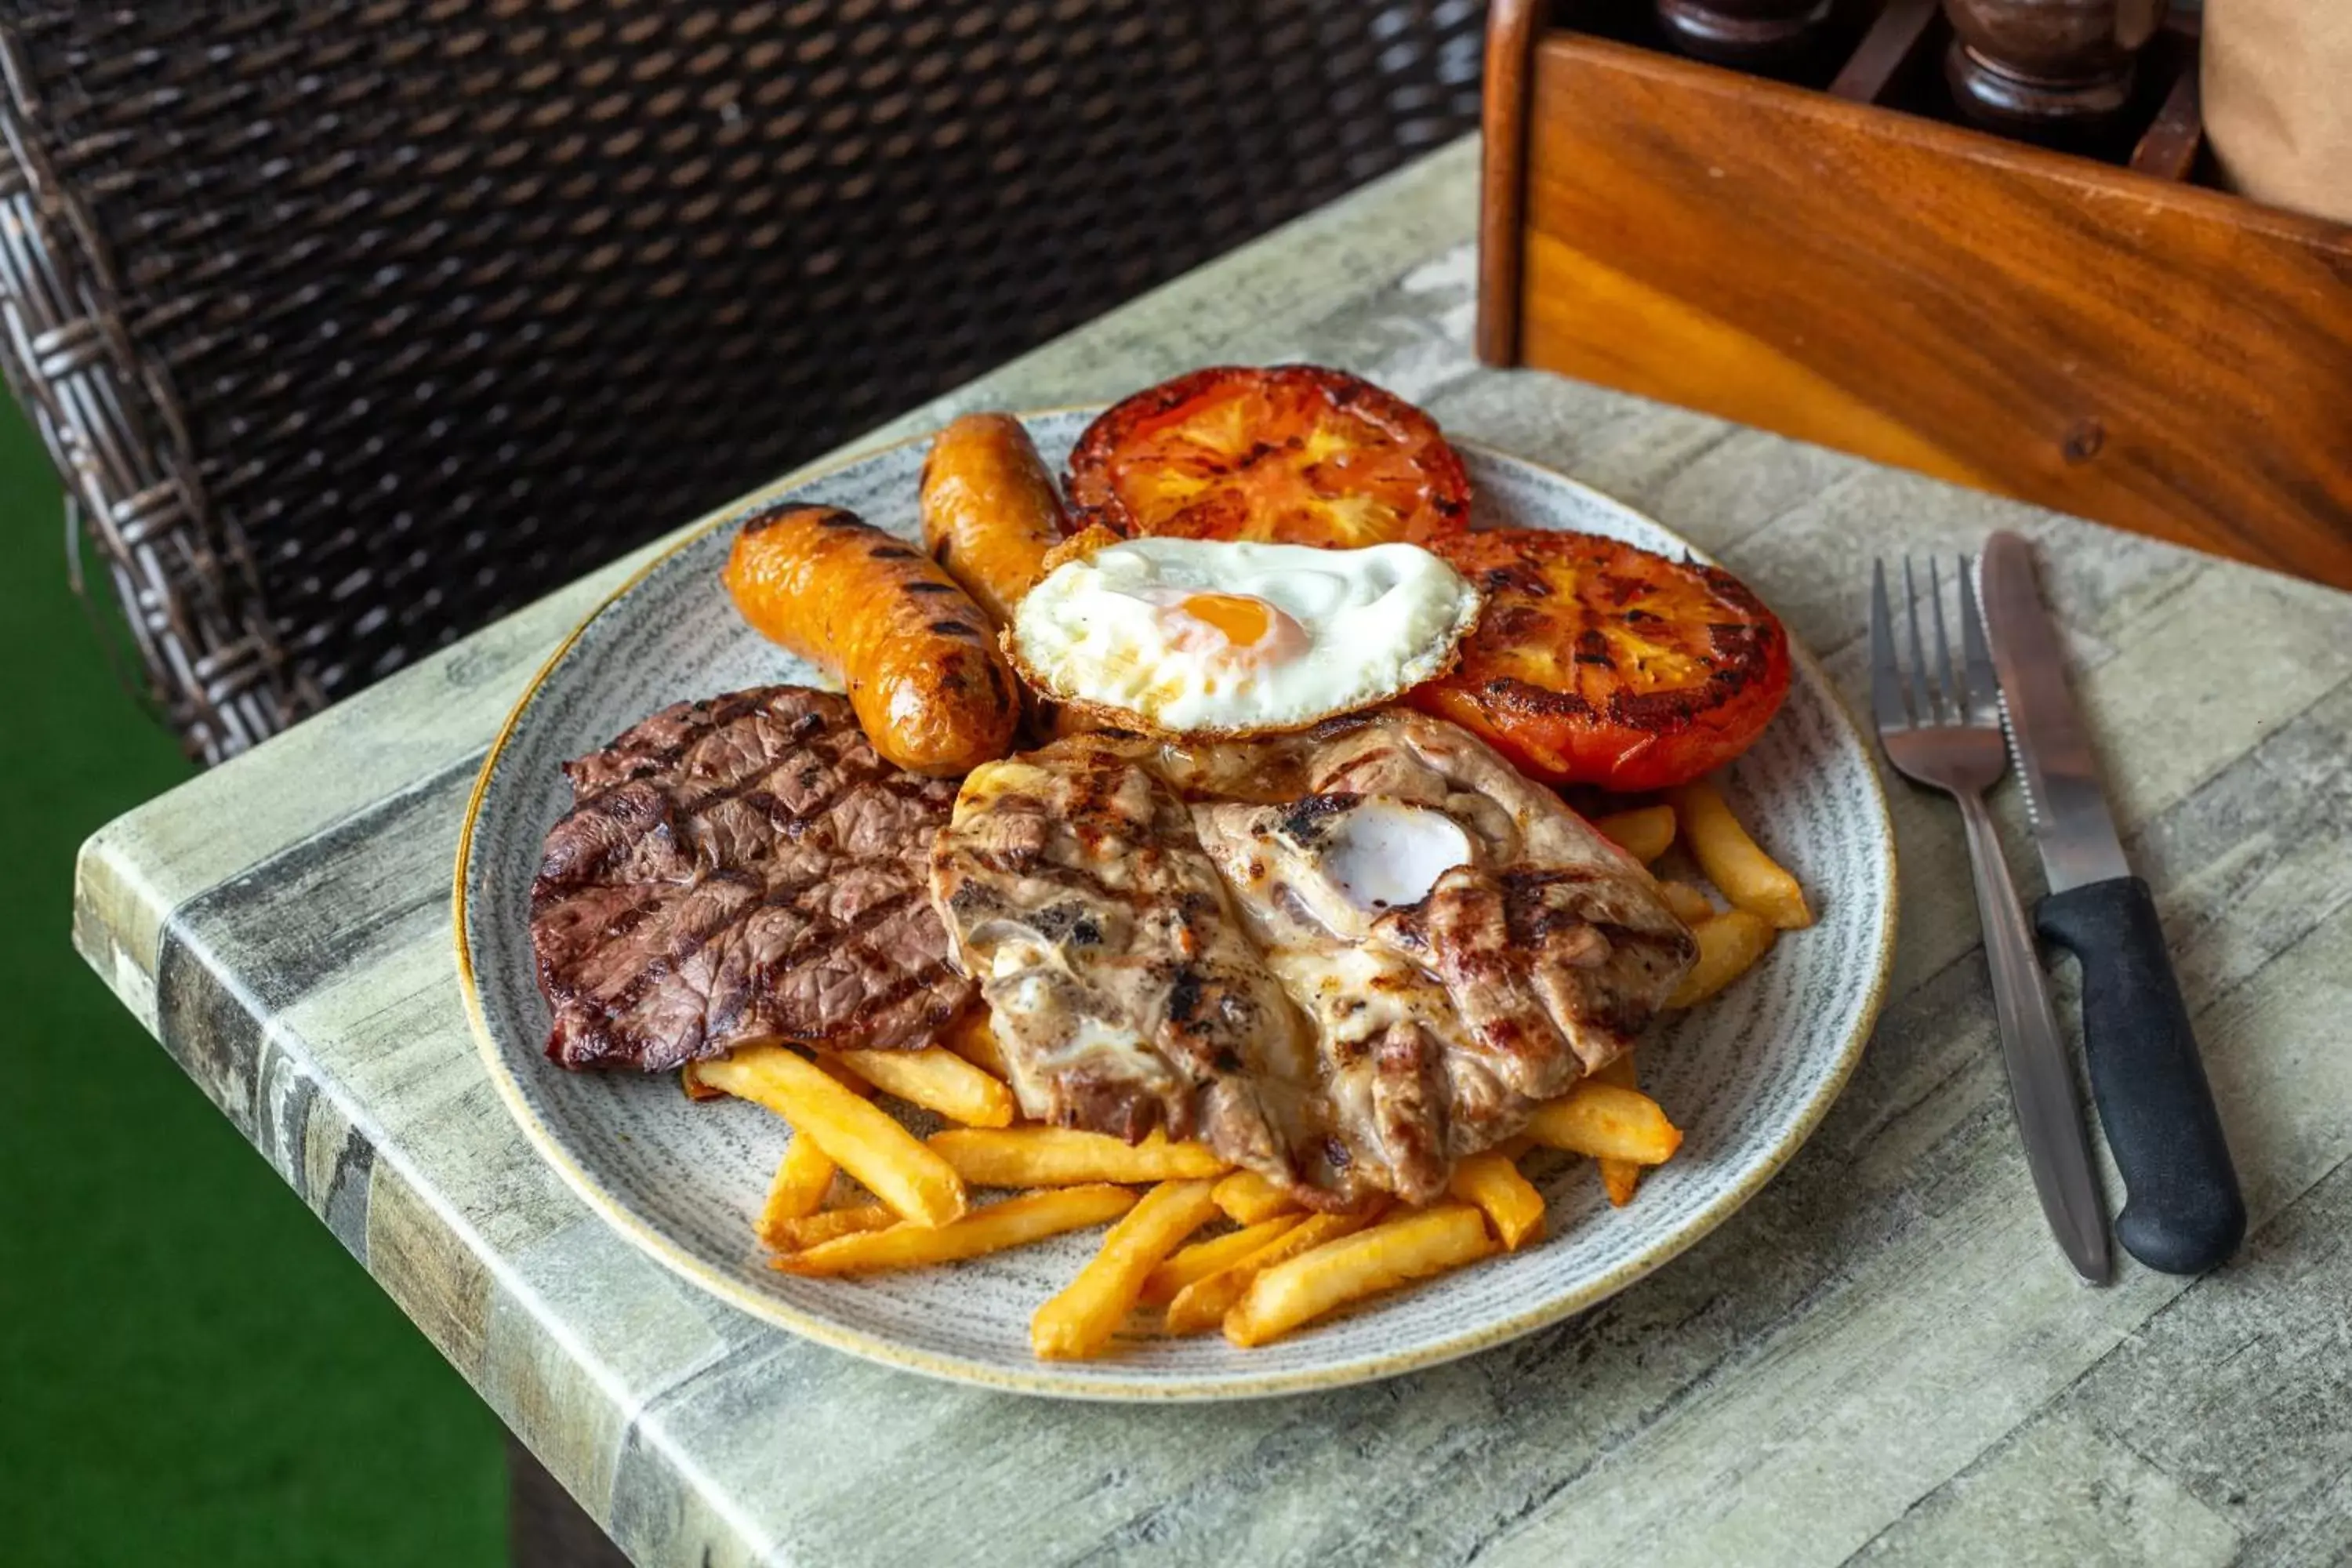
point(191, 1371)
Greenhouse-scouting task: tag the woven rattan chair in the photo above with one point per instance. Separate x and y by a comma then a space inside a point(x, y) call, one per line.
point(353, 324)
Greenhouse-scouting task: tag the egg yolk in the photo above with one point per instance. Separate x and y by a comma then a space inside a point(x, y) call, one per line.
point(1232, 629)
point(1241, 620)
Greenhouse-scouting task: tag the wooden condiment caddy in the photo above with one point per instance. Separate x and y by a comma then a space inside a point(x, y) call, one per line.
point(1828, 252)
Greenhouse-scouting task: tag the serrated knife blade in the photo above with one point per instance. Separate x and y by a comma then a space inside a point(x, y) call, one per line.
point(2064, 801)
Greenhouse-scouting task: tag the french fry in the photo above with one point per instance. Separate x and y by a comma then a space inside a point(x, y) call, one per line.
point(973, 1038)
point(1411, 1247)
point(799, 1234)
point(1508, 1200)
point(860, 1138)
point(1601, 1119)
point(1729, 944)
point(937, 1080)
point(1645, 832)
point(1202, 1305)
point(1060, 1157)
point(1015, 1222)
point(1619, 1177)
point(1247, 1197)
point(698, 1088)
point(803, 1178)
point(1746, 876)
point(1515, 1147)
point(1690, 905)
point(1080, 1320)
point(831, 1066)
point(1203, 1259)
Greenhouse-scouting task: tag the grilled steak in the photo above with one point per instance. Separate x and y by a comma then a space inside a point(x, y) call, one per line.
point(738, 869)
point(1118, 979)
point(1465, 944)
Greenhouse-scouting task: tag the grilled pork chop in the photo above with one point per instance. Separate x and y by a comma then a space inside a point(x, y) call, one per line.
point(1466, 945)
point(1379, 959)
point(1118, 979)
point(740, 868)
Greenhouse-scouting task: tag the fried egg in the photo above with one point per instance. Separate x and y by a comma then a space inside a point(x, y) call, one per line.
point(1216, 636)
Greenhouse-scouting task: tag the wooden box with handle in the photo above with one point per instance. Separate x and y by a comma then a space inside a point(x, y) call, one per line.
point(1839, 222)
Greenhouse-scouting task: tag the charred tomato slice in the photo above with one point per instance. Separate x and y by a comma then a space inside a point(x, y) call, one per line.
point(1596, 662)
point(1290, 455)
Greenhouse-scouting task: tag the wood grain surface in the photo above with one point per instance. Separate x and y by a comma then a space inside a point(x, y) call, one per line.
point(2164, 358)
point(1881, 1359)
point(1512, 27)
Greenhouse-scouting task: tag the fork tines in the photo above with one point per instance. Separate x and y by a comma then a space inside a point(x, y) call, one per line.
point(1943, 693)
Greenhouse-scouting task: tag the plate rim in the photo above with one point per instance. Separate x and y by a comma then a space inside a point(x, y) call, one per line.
point(1070, 1381)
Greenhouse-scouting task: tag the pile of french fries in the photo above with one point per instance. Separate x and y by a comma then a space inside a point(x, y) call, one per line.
point(1195, 1245)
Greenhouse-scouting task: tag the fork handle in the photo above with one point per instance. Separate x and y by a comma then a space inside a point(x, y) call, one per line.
point(2041, 1083)
point(2182, 1211)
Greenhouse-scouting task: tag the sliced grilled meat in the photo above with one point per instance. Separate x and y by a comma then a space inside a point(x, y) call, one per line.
point(1357, 955)
point(1552, 935)
point(1465, 944)
point(1385, 1037)
point(1119, 978)
point(740, 868)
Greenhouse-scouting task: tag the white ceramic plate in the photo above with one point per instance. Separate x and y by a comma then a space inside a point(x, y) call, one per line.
point(1747, 1076)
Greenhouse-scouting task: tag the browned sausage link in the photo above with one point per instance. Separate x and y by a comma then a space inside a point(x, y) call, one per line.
point(990, 510)
point(919, 659)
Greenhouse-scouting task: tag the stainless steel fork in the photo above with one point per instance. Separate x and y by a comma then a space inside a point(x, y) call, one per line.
point(1941, 727)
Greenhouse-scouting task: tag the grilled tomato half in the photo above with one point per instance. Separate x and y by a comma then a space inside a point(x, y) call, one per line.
point(1595, 662)
point(1291, 455)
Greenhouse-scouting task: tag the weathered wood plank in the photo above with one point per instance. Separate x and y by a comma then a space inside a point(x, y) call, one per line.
point(133, 872)
point(2239, 1392)
point(2058, 1495)
point(2213, 1435)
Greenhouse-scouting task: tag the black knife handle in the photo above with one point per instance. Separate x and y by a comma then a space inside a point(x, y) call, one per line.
point(2182, 1212)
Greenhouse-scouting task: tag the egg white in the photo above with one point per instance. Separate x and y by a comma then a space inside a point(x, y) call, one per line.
point(1106, 632)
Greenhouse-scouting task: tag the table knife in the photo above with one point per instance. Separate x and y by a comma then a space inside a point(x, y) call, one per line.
point(2183, 1212)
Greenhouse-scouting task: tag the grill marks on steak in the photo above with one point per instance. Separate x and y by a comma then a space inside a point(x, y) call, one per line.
point(1118, 977)
point(738, 869)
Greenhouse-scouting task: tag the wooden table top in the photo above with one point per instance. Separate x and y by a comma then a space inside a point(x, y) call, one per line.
point(1882, 1358)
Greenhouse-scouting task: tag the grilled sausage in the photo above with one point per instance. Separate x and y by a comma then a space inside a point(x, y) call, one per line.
point(990, 510)
point(925, 677)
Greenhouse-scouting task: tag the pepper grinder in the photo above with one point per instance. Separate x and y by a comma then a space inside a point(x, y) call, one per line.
point(2045, 66)
point(1743, 32)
